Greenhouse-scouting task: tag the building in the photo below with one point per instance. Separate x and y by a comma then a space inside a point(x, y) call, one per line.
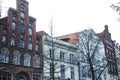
point(108, 48)
point(20, 57)
point(110, 53)
point(59, 58)
point(117, 51)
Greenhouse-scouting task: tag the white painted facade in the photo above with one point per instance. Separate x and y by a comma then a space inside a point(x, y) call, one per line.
point(100, 59)
point(117, 51)
point(59, 46)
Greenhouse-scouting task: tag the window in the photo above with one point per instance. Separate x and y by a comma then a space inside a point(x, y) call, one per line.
point(51, 53)
point(72, 73)
point(4, 55)
point(22, 28)
point(30, 31)
point(36, 47)
point(36, 61)
point(71, 58)
point(21, 77)
point(30, 24)
point(37, 77)
point(12, 41)
point(4, 39)
point(62, 56)
point(14, 17)
point(22, 43)
point(51, 69)
point(22, 15)
point(16, 57)
point(82, 56)
point(13, 25)
point(27, 59)
point(5, 75)
point(62, 71)
point(30, 46)
point(84, 71)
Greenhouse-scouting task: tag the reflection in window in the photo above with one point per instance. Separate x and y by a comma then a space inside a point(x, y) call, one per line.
point(27, 59)
point(22, 43)
point(4, 55)
point(3, 39)
point(36, 61)
point(12, 41)
point(16, 57)
point(30, 46)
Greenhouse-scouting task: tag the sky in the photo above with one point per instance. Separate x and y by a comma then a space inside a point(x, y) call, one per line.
point(70, 16)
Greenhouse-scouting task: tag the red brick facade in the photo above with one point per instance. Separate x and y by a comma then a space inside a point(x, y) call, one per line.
point(109, 51)
point(18, 33)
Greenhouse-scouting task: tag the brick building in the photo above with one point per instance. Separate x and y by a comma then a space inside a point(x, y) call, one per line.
point(20, 56)
point(109, 52)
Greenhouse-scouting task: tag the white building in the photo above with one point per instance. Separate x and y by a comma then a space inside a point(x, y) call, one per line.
point(62, 55)
point(117, 51)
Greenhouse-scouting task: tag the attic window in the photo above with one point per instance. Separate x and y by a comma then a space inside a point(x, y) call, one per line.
point(65, 39)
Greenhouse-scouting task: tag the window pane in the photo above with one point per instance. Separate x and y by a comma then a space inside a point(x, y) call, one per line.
point(61, 56)
point(3, 39)
point(37, 77)
point(27, 59)
point(13, 25)
point(4, 56)
point(30, 46)
point(30, 31)
point(22, 28)
point(62, 71)
point(36, 61)
point(22, 43)
point(16, 57)
point(12, 42)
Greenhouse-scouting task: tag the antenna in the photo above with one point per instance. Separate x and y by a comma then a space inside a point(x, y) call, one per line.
point(0, 7)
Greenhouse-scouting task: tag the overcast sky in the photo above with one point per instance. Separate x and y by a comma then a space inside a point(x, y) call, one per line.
point(71, 16)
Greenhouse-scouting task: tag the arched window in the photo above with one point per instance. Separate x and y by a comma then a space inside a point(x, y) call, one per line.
point(13, 25)
point(12, 41)
point(22, 43)
point(16, 57)
point(5, 75)
point(30, 46)
point(21, 77)
point(3, 39)
point(4, 55)
point(36, 61)
point(22, 28)
point(27, 59)
point(30, 31)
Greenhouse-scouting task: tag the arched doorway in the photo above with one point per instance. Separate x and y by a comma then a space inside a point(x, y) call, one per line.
point(5, 75)
point(22, 76)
